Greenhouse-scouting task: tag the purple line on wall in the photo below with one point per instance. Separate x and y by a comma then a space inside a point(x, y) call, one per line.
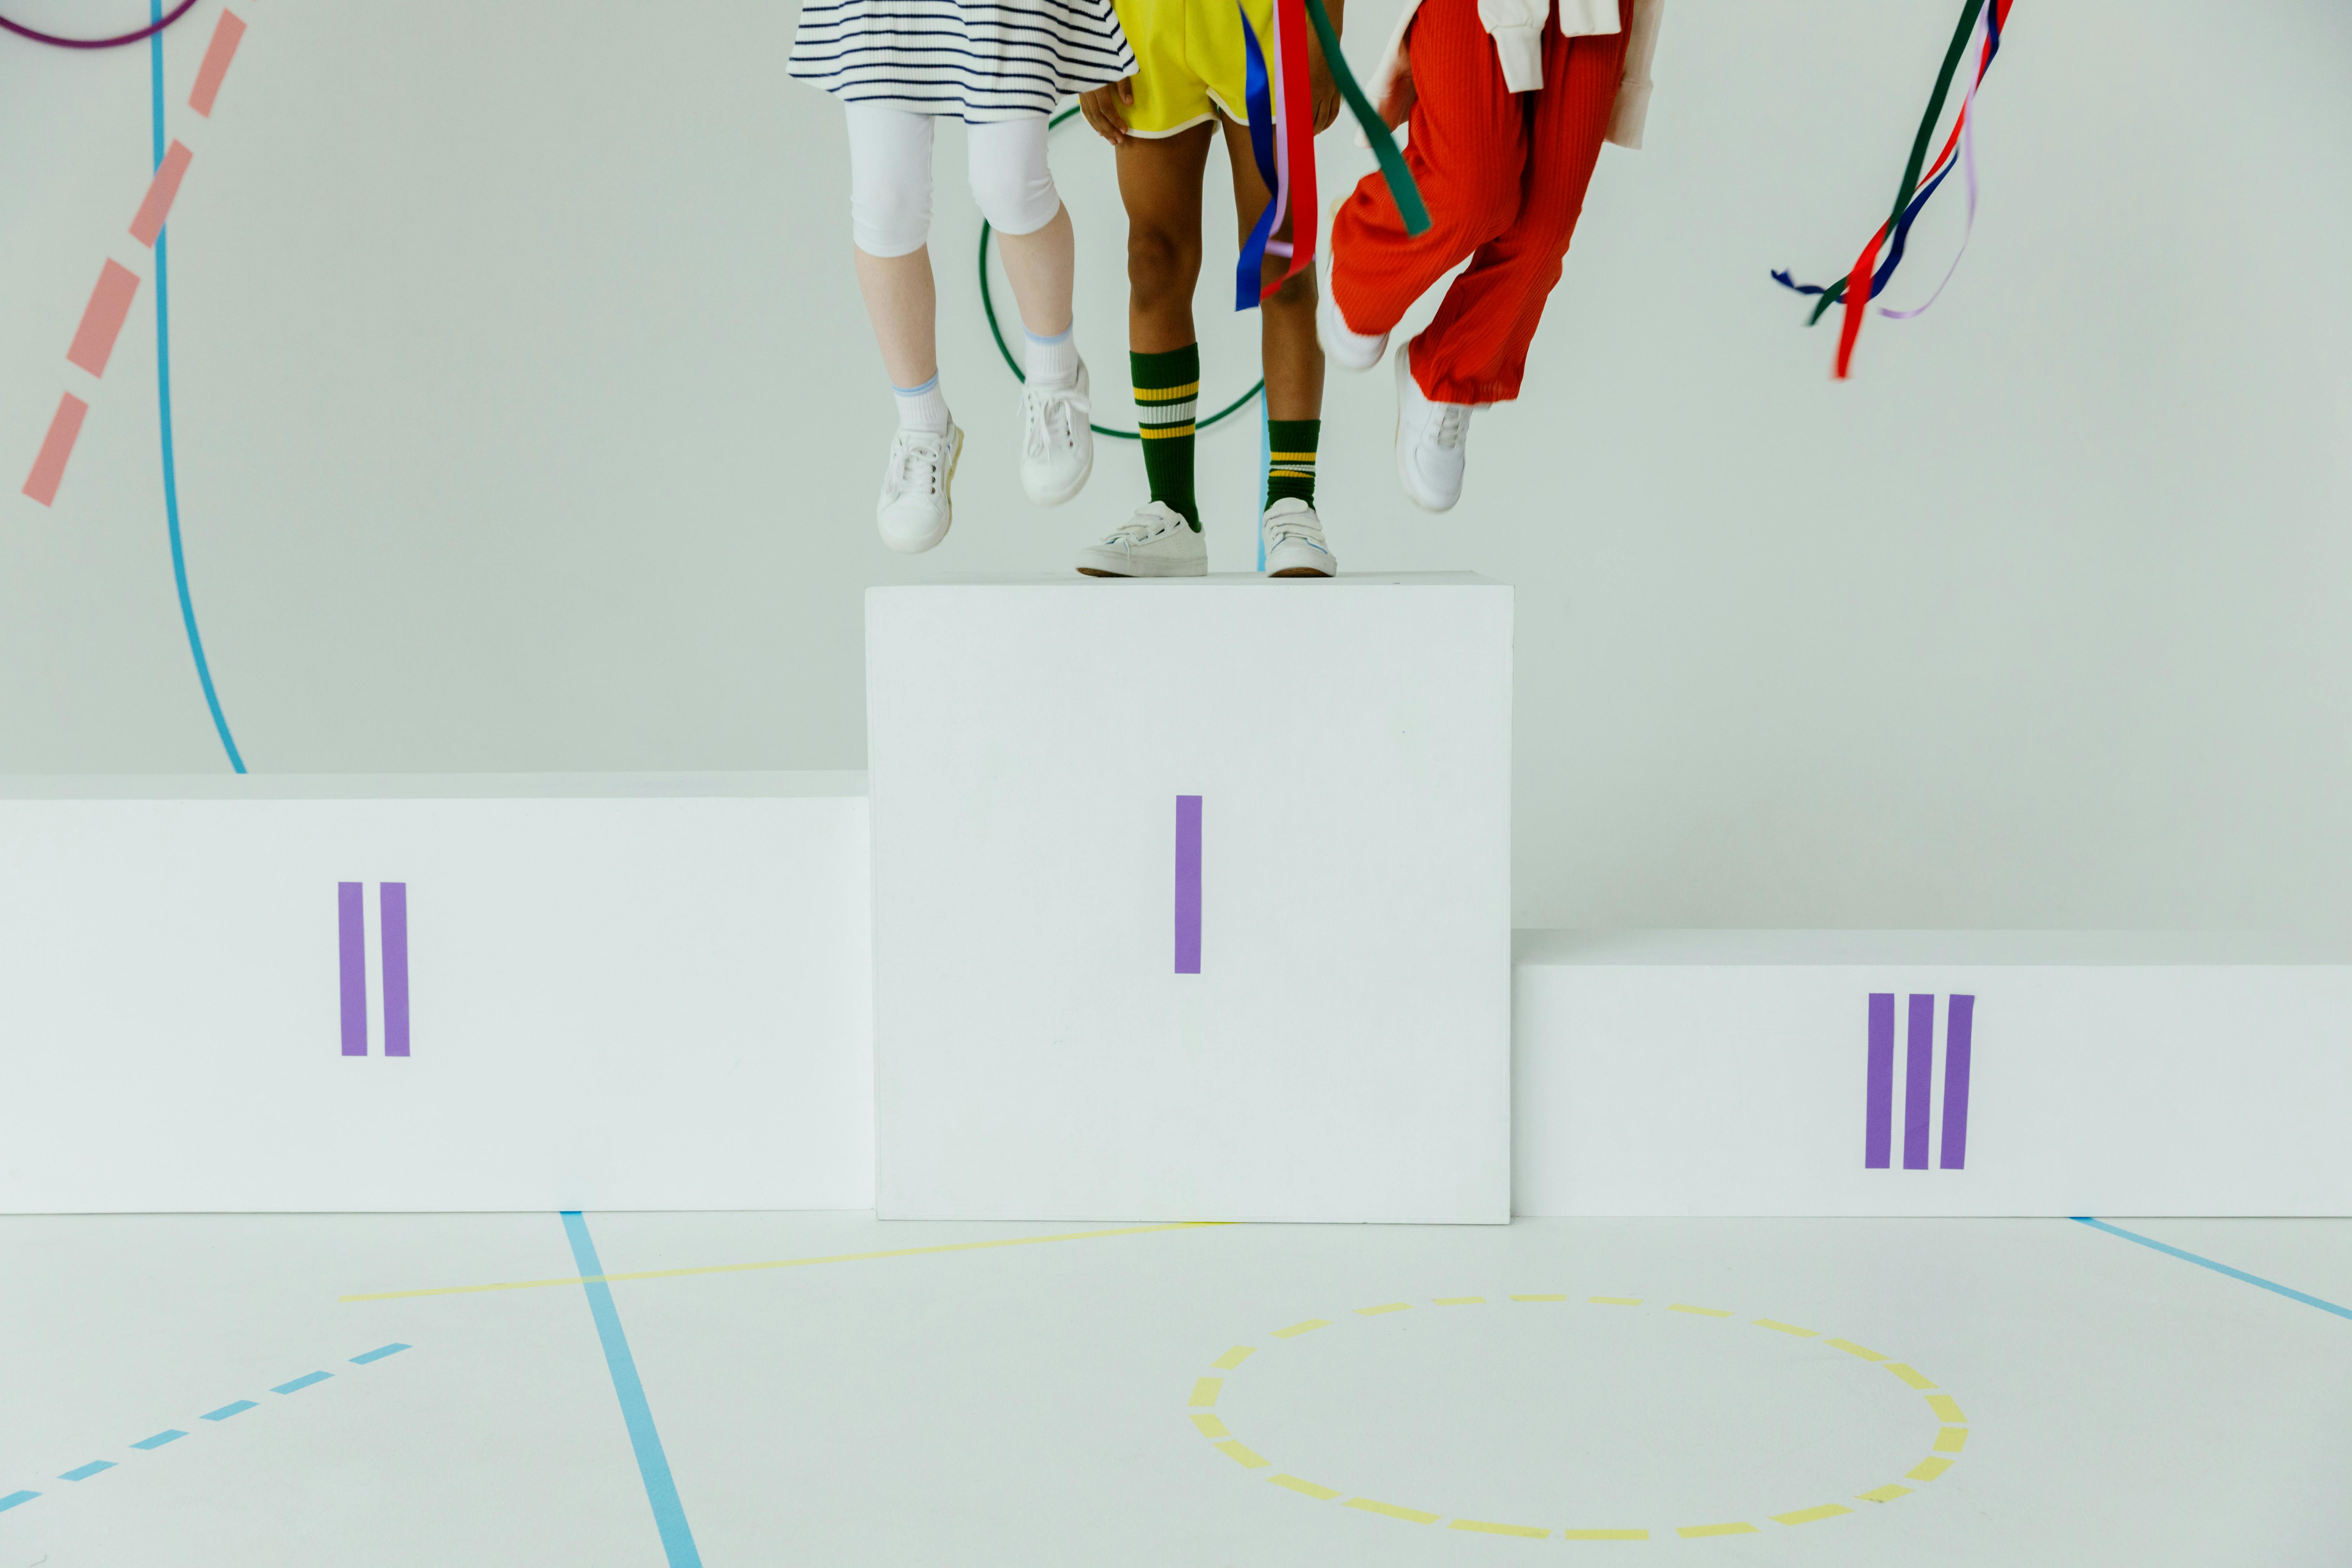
point(1959, 1032)
point(351, 953)
point(1920, 1066)
point(1878, 1110)
point(1187, 884)
point(395, 968)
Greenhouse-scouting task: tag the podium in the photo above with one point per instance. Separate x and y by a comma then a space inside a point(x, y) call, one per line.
point(1191, 898)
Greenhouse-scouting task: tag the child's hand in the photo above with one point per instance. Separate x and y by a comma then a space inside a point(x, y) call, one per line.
point(1104, 108)
point(1323, 90)
point(1396, 108)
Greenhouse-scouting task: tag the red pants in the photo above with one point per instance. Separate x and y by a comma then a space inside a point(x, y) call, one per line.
point(1503, 175)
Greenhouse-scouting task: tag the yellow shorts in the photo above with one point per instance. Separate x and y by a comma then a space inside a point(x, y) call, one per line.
point(1191, 62)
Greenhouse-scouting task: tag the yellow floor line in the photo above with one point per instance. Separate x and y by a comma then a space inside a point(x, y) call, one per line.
point(1947, 1408)
point(1205, 1392)
point(1308, 1327)
point(1811, 1515)
point(1884, 1494)
point(1321, 1494)
point(1951, 1439)
point(1911, 1375)
point(1392, 1307)
point(1927, 1469)
point(1233, 1357)
point(1485, 1527)
point(1693, 1532)
point(1240, 1455)
point(1852, 1349)
point(1789, 1328)
point(1211, 1426)
point(1369, 1505)
point(1458, 1300)
point(1604, 1535)
point(1614, 1300)
point(1539, 1298)
point(784, 1262)
point(1699, 1311)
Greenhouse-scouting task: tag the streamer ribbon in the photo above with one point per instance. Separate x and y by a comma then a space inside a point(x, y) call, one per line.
point(1281, 105)
point(1921, 179)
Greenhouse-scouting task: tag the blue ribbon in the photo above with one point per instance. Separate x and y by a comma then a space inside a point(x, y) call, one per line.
point(1878, 279)
point(1249, 272)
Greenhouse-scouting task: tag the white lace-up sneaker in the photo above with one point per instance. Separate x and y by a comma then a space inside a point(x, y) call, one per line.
point(1294, 542)
point(1057, 444)
point(916, 509)
point(1155, 543)
point(1430, 441)
point(1342, 344)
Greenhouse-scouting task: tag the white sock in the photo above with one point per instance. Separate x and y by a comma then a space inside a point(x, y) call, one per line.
point(1053, 361)
point(923, 407)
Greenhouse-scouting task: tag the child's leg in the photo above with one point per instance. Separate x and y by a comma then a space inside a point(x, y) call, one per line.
point(1160, 182)
point(1294, 361)
point(1015, 191)
point(1475, 350)
point(890, 220)
point(1466, 152)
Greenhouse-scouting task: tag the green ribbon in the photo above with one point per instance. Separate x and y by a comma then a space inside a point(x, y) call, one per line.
point(1401, 190)
point(1836, 292)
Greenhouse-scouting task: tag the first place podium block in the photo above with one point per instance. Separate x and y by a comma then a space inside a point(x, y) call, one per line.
point(1193, 898)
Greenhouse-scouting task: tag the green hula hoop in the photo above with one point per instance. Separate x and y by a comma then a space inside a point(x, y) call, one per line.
point(988, 303)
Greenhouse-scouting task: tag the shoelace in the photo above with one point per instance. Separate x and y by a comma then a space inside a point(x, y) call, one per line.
point(914, 462)
point(1138, 530)
point(1048, 418)
point(1452, 424)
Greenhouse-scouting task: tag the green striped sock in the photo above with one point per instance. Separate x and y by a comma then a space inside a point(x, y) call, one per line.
point(1167, 392)
point(1290, 469)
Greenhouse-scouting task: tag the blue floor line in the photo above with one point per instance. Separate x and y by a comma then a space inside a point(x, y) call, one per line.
point(160, 1438)
point(652, 1465)
point(84, 1473)
point(2271, 1285)
point(13, 1499)
point(164, 409)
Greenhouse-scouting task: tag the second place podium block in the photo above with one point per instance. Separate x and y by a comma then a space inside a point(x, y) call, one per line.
point(1193, 898)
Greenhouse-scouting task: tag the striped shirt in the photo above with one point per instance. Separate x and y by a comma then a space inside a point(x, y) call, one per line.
point(975, 60)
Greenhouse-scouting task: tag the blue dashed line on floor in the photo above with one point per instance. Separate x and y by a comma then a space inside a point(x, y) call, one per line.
point(173, 1434)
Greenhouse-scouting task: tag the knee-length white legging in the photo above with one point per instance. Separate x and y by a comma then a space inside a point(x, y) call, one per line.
point(890, 177)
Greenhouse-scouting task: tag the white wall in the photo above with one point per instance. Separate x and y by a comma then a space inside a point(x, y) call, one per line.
point(526, 420)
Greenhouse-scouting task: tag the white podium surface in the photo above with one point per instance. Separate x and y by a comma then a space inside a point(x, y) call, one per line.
point(1920, 1073)
point(405, 992)
point(1193, 898)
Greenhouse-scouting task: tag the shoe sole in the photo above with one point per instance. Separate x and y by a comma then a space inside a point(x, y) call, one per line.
point(1198, 570)
point(947, 489)
point(1338, 356)
point(1396, 440)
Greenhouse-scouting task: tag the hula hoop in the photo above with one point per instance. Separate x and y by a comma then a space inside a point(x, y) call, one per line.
point(148, 32)
point(988, 304)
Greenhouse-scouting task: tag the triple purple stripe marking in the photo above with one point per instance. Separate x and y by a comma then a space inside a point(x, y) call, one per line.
point(1878, 1113)
point(351, 952)
point(1959, 1031)
point(1187, 884)
point(395, 968)
point(1917, 1073)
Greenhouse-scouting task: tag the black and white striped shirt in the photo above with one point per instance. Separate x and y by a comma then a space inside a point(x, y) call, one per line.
point(976, 61)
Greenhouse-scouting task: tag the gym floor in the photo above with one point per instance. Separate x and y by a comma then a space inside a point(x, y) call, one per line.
point(785, 1388)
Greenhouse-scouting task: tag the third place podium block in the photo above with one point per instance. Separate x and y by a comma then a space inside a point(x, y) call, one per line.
point(1193, 898)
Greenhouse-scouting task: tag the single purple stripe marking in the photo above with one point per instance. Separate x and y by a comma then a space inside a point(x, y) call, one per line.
point(1878, 1108)
point(394, 899)
point(1917, 1071)
point(1187, 884)
point(1959, 1033)
point(352, 952)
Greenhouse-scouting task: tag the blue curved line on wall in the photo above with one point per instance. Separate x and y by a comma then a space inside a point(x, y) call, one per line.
point(163, 404)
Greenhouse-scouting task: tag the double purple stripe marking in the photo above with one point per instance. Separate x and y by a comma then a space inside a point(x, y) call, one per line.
point(351, 952)
point(1187, 884)
point(1919, 1066)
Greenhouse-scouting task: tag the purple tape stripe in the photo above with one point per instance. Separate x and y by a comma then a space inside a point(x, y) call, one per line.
point(351, 952)
point(1959, 1034)
point(395, 968)
point(1920, 1066)
point(1878, 1108)
point(1187, 884)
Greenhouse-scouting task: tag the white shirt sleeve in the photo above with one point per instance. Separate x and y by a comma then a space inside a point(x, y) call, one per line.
point(1633, 106)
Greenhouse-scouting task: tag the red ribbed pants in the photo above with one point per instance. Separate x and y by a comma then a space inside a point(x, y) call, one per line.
point(1503, 175)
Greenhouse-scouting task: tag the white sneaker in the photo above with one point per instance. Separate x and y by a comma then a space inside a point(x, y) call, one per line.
point(1155, 543)
point(1057, 444)
point(1294, 542)
point(1342, 345)
point(1430, 441)
point(916, 508)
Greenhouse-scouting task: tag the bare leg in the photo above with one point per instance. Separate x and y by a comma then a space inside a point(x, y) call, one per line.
point(903, 305)
point(1159, 181)
point(1041, 266)
point(1294, 360)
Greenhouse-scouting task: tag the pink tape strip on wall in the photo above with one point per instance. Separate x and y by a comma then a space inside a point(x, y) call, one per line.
point(161, 193)
point(50, 466)
point(101, 319)
point(217, 54)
